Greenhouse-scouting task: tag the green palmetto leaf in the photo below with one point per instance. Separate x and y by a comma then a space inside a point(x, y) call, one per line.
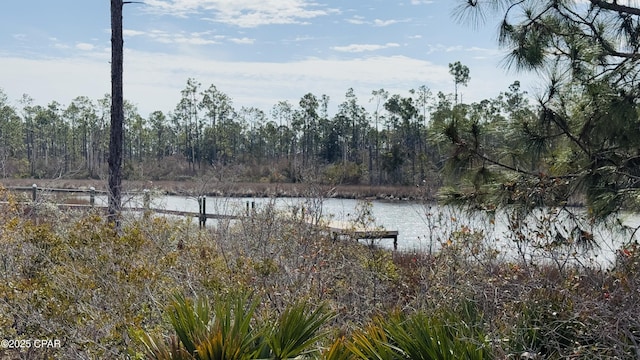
point(297, 331)
point(373, 343)
point(159, 350)
point(419, 337)
point(232, 336)
point(190, 323)
point(338, 351)
point(212, 347)
point(224, 332)
point(422, 336)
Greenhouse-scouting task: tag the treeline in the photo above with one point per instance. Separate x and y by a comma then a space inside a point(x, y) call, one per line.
point(404, 140)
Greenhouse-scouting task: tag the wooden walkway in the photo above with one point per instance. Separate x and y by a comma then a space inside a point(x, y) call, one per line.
point(336, 228)
point(88, 207)
point(202, 214)
point(341, 228)
point(154, 210)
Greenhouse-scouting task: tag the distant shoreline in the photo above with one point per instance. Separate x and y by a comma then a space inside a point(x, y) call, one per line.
point(241, 189)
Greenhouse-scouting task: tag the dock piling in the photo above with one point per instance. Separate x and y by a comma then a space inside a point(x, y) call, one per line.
point(202, 213)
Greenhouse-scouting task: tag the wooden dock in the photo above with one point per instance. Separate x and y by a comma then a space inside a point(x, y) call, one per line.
point(341, 228)
point(335, 228)
point(202, 214)
point(159, 211)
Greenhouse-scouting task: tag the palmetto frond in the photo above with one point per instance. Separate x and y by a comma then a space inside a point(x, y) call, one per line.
point(297, 331)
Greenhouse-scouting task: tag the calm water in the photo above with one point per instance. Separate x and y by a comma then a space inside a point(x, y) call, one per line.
point(420, 226)
point(407, 218)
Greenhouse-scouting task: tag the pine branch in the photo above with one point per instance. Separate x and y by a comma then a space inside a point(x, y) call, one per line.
point(597, 34)
point(623, 9)
point(516, 169)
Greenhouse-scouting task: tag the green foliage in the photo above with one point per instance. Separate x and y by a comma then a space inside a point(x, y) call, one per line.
point(546, 325)
point(343, 173)
point(421, 336)
point(229, 331)
point(232, 335)
point(298, 331)
point(392, 162)
point(372, 343)
point(460, 76)
point(427, 337)
point(582, 139)
point(205, 135)
point(338, 350)
point(224, 332)
point(69, 276)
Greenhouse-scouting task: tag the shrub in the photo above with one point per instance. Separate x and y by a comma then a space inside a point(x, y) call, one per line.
point(444, 335)
point(231, 332)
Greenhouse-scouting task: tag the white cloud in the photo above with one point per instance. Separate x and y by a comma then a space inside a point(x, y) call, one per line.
point(472, 52)
point(132, 33)
point(61, 46)
point(439, 48)
point(360, 20)
point(420, 2)
point(153, 81)
point(263, 84)
point(244, 40)
point(61, 80)
point(378, 22)
point(357, 20)
point(243, 13)
point(180, 37)
point(356, 48)
point(303, 38)
point(85, 46)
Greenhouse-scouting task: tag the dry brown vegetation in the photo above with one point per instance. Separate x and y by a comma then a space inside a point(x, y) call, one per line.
point(69, 276)
point(211, 187)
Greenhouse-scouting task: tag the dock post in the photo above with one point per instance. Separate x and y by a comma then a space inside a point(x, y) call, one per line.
point(252, 210)
point(203, 216)
point(34, 196)
point(202, 212)
point(146, 202)
point(92, 196)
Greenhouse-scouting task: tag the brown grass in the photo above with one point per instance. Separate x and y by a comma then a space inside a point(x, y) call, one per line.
point(238, 189)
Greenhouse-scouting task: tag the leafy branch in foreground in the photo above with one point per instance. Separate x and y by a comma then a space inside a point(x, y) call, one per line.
point(586, 128)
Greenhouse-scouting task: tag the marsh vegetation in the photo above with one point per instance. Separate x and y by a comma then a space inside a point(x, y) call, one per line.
point(272, 283)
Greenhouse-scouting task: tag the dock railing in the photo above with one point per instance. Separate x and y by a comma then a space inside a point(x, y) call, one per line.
point(336, 228)
point(36, 196)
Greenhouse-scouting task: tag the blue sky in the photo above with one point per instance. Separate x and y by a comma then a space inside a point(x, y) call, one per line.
point(259, 52)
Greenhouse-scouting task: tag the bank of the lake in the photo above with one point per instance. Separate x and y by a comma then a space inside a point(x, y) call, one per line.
point(241, 189)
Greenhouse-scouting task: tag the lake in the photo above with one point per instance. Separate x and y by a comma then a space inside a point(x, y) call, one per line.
point(421, 226)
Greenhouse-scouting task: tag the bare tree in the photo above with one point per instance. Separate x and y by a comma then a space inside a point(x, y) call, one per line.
point(117, 112)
